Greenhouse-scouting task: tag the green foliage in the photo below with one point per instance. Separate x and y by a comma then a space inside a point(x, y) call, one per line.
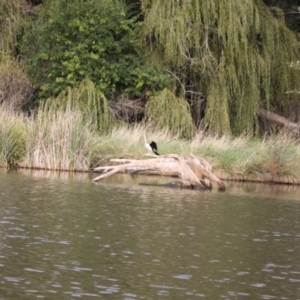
point(74, 40)
point(87, 100)
point(168, 112)
point(289, 10)
point(218, 106)
point(15, 85)
point(235, 53)
point(12, 20)
point(296, 66)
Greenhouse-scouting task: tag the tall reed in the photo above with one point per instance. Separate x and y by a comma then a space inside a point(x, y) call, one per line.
point(59, 141)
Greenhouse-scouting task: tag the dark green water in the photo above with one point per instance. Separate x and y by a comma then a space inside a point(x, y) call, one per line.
point(64, 237)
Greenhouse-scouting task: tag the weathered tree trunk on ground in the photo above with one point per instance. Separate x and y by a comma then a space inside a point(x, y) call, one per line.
point(193, 172)
point(277, 119)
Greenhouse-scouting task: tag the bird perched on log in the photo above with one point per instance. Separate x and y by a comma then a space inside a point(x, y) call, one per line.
point(152, 147)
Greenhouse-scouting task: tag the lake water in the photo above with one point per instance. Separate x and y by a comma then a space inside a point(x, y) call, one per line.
point(64, 237)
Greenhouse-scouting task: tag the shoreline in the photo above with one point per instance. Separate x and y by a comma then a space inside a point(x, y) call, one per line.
point(65, 141)
point(229, 181)
point(221, 174)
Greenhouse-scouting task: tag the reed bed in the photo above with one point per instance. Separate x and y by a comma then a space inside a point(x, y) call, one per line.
point(59, 141)
point(64, 140)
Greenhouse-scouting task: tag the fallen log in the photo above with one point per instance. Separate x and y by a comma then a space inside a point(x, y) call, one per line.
point(194, 173)
point(203, 171)
point(277, 119)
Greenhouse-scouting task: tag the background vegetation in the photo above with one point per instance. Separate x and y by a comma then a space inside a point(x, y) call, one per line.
point(224, 59)
point(227, 58)
point(179, 67)
point(74, 40)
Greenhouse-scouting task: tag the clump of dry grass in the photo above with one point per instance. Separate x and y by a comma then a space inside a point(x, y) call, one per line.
point(246, 158)
point(59, 141)
point(278, 156)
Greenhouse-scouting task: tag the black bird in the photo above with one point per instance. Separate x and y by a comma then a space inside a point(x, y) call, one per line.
point(154, 147)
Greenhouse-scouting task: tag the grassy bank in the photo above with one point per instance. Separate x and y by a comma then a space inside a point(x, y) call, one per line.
point(64, 141)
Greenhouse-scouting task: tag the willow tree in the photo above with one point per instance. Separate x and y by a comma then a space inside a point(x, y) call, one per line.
point(12, 20)
point(234, 54)
point(165, 111)
point(15, 85)
point(87, 100)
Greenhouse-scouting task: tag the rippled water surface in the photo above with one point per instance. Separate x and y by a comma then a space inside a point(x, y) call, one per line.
point(64, 237)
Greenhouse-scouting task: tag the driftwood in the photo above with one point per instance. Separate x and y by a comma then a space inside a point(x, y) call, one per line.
point(193, 172)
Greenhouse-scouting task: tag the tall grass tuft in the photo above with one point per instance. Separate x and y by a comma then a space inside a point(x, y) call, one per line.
point(59, 141)
point(244, 158)
point(12, 139)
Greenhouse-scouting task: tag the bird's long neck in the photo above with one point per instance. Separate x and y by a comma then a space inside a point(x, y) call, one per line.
point(145, 138)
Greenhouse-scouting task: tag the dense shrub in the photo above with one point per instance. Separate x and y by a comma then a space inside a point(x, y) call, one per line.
point(87, 39)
